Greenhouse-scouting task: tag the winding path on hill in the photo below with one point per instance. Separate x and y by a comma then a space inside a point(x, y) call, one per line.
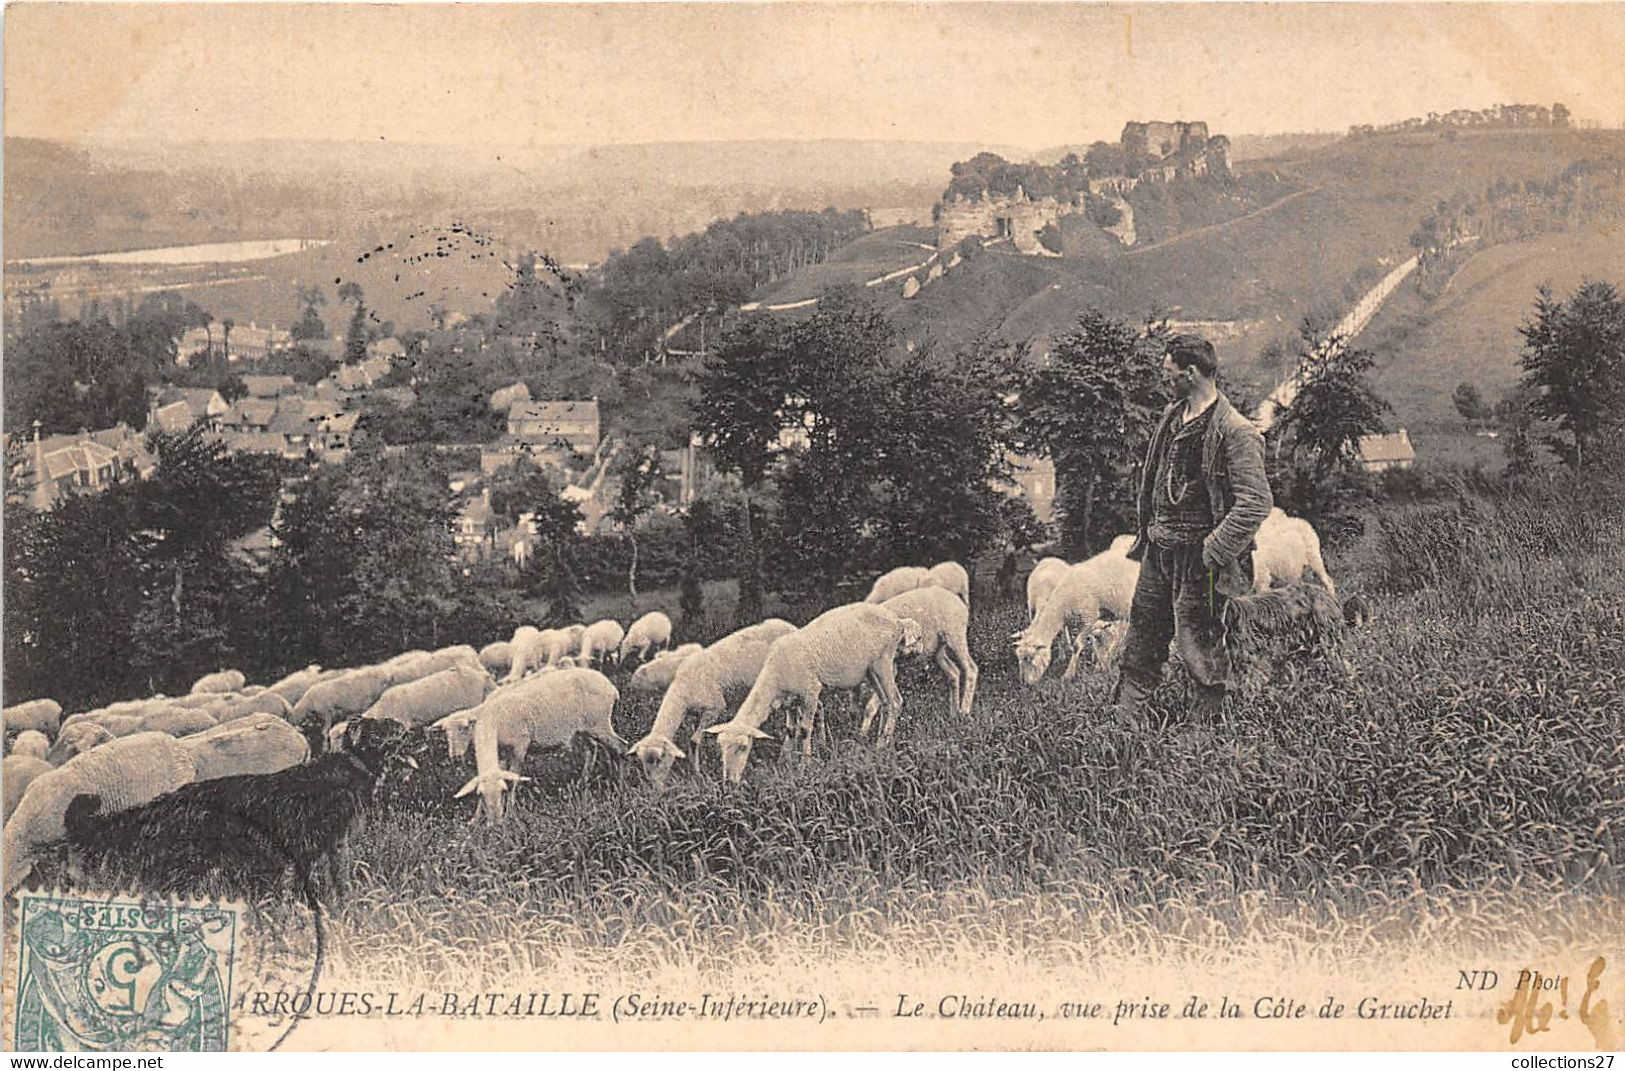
point(1221, 225)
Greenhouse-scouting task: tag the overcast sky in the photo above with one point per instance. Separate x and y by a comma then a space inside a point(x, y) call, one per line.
point(1010, 74)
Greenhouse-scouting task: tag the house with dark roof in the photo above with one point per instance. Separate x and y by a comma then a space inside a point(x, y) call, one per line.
point(1379, 453)
point(556, 425)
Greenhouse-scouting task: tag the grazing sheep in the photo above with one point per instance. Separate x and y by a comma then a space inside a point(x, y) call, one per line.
point(944, 621)
point(78, 738)
point(18, 773)
point(341, 697)
point(82, 733)
point(41, 715)
point(648, 632)
point(537, 648)
point(840, 649)
point(547, 711)
point(952, 576)
point(229, 680)
point(702, 684)
point(1269, 628)
point(245, 832)
point(428, 699)
point(425, 665)
point(599, 640)
point(128, 708)
point(196, 702)
point(655, 675)
point(125, 773)
point(1283, 548)
point(31, 742)
point(259, 743)
point(903, 578)
point(497, 658)
point(293, 687)
point(1102, 584)
point(242, 707)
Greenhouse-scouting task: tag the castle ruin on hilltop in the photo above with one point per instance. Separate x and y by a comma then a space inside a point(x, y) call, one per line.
point(994, 199)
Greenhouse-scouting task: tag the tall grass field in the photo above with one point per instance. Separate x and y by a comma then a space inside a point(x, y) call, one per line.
point(1463, 776)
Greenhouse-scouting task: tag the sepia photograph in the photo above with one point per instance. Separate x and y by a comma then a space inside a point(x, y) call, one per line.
point(830, 526)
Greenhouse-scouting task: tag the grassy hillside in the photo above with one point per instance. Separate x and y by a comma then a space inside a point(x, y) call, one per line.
point(1470, 332)
point(1313, 251)
point(1452, 784)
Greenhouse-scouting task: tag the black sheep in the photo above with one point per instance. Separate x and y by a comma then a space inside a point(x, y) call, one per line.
point(240, 833)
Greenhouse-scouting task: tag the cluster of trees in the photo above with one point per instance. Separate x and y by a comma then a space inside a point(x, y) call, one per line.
point(1501, 116)
point(988, 174)
point(852, 453)
point(94, 371)
point(1587, 192)
point(645, 290)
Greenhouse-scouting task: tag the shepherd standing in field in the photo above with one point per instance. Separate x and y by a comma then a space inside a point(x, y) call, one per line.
point(1203, 496)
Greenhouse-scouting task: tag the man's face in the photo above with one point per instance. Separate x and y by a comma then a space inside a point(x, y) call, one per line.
point(1181, 379)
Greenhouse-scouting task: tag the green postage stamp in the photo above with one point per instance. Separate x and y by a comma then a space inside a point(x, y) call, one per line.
point(123, 974)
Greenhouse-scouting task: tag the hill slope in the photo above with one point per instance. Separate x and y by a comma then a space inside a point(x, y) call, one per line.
point(1253, 278)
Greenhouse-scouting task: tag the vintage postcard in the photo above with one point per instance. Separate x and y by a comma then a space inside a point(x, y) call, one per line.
point(818, 526)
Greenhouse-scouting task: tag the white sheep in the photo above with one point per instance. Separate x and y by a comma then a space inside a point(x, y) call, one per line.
point(420, 666)
point(535, 648)
point(952, 576)
point(1284, 547)
point(547, 711)
point(84, 732)
point(599, 640)
point(41, 715)
point(655, 675)
point(18, 773)
point(294, 686)
point(229, 680)
point(257, 744)
point(944, 622)
point(341, 697)
point(652, 630)
point(1102, 584)
point(428, 699)
point(497, 658)
point(30, 742)
point(839, 649)
point(903, 578)
point(1041, 581)
point(702, 685)
point(124, 773)
point(241, 707)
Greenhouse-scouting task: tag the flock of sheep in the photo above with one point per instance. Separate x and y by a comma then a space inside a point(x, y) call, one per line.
point(238, 779)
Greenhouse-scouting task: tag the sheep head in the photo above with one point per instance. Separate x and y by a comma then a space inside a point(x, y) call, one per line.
point(655, 756)
point(459, 729)
point(335, 736)
point(76, 739)
point(491, 786)
point(1034, 659)
point(913, 636)
point(31, 742)
point(735, 741)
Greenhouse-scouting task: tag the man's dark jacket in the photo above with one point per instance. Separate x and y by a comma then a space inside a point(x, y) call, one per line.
point(1237, 486)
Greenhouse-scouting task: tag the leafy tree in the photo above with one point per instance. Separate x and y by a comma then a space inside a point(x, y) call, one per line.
point(1314, 441)
point(309, 326)
point(1092, 411)
point(365, 567)
point(1515, 416)
point(1574, 355)
point(639, 472)
point(737, 412)
point(703, 522)
point(1471, 405)
point(355, 338)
